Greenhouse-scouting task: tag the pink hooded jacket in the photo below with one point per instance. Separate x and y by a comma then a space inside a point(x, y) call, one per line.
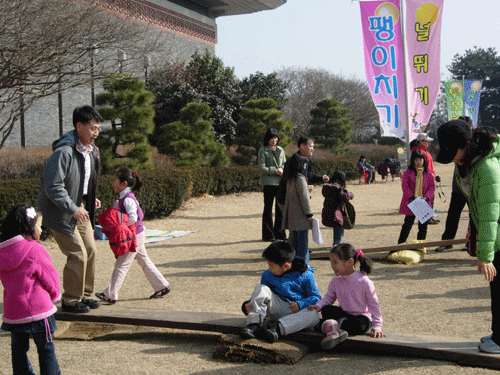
point(31, 283)
point(408, 185)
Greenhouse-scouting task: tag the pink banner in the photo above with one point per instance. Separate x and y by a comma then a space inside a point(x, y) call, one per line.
point(422, 39)
point(384, 63)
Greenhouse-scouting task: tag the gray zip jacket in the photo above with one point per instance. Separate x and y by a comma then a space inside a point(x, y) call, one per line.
point(61, 186)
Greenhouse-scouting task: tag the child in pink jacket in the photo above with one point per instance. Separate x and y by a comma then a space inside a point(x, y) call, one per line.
point(417, 182)
point(31, 286)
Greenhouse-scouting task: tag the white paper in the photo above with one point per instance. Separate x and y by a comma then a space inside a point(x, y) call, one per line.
point(421, 209)
point(316, 233)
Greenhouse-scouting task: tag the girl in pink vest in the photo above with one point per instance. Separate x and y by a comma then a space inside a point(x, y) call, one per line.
point(31, 287)
point(124, 184)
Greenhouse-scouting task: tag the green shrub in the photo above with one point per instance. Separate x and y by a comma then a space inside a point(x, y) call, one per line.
point(347, 164)
point(163, 191)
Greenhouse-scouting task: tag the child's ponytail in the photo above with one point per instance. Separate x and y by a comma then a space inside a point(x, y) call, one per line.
point(138, 182)
point(346, 251)
point(132, 178)
point(365, 264)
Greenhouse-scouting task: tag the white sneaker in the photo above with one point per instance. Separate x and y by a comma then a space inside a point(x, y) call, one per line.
point(489, 347)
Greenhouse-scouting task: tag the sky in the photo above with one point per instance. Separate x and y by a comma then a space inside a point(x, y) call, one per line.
point(327, 34)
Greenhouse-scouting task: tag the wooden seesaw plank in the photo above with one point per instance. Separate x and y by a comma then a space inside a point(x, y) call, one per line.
point(197, 321)
point(405, 246)
point(396, 344)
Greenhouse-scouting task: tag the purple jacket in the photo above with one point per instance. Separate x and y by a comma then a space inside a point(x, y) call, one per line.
point(140, 215)
point(30, 281)
point(408, 185)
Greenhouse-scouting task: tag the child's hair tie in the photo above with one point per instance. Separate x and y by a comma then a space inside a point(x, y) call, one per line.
point(359, 253)
point(30, 213)
point(134, 174)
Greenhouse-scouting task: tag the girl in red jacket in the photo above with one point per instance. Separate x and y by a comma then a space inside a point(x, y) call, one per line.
point(417, 182)
point(31, 286)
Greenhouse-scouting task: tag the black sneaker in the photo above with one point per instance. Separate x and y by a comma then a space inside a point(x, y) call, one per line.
point(433, 221)
point(250, 331)
point(160, 293)
point(91, 303)
point(443, 248)
point(103, 297)
point(271, 332)
point(77, 308)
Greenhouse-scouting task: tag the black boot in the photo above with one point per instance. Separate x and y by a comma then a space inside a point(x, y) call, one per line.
point(250, 331)
point(271, 332)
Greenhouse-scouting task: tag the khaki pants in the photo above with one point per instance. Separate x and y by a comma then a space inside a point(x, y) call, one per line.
point(78, 274)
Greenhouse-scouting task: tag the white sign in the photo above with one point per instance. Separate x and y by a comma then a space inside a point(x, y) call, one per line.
point(421, 209)
point(316, 233)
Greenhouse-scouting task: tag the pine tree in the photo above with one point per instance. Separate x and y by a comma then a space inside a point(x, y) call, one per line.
point(127, 105)
point(329, 126)
point(191, 139)
point(257, 116)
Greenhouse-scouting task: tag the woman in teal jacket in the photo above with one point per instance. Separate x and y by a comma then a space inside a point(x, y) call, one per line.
point(271, 159)
point(477, 157)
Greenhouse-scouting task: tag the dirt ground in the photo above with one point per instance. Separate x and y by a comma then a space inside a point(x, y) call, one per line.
point(217, 268)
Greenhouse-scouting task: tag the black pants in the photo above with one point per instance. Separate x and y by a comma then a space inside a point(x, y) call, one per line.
point(270, 231)
point(354, 324)
point(406, 229)
point(371, 175)
point(457, 204)
point(495, 301)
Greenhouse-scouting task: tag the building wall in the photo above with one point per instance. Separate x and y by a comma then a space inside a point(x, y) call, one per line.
point(184, 32)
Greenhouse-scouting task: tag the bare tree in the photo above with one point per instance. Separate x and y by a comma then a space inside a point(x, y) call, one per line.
point(48, 46)
point(307, 86)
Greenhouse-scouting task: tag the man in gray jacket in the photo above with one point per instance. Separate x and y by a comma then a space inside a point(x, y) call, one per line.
point(67, 200)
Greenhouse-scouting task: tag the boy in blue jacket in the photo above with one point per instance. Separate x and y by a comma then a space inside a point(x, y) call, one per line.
point(286, 288)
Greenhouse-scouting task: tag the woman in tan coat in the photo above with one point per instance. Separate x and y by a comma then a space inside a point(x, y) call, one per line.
point(297, 213)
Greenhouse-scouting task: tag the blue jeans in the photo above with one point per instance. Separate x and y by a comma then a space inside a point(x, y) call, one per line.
point(338, 235)
point(46, 354)
point(300, 244)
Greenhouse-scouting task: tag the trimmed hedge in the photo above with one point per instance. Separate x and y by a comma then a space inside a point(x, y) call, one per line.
point(163, 191)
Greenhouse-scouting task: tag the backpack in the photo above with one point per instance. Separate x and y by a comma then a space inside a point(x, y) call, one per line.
point(349, 215)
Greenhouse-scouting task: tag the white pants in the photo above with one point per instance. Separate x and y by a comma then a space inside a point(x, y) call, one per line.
point(267, 304)
point(123, 264)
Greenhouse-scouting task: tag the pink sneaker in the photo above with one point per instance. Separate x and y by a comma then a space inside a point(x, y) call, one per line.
point(329, 326)
point(334, 335)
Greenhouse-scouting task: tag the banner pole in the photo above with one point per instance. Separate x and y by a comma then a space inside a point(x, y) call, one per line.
point(463, 90)
point(403, 31)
